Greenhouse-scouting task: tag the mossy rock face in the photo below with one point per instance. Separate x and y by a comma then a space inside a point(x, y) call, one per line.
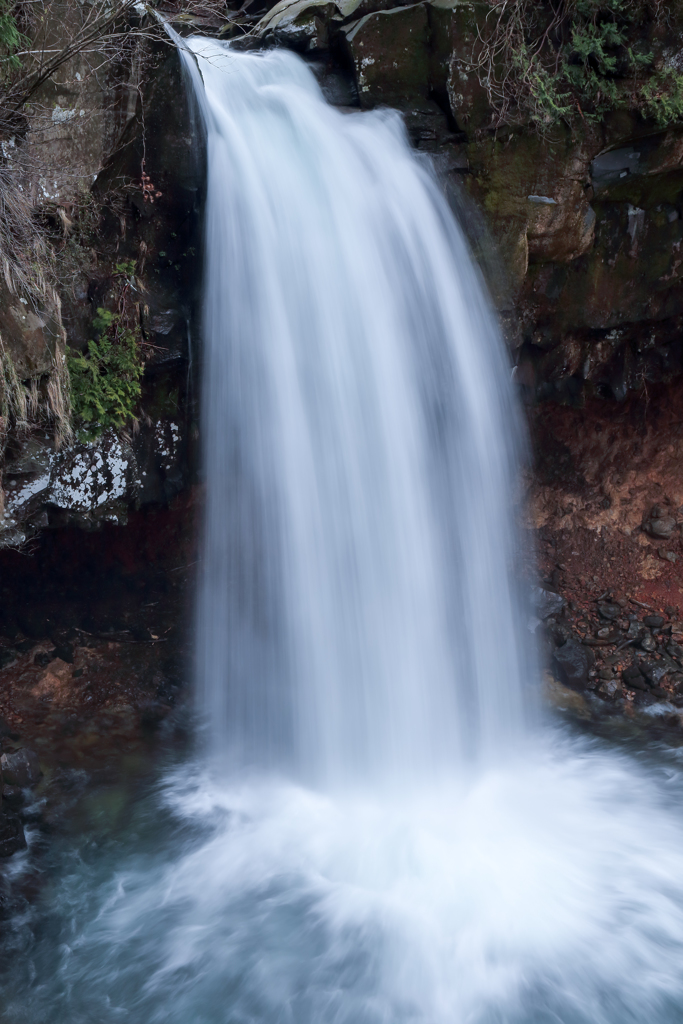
point(389, 51)
point(535, 194)
point(156, 220)
point(32, 334)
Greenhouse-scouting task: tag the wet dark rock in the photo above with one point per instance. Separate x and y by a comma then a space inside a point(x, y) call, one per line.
point(546, 602)
point(637, 683)
point(21, 768)
point(634, 679)
point(609, 633)
point(654, 671)
point(657, 691)
point(42, 658)
point(13, 796)
point(635, 629)
point(610, 688)
point(648, 643)
point(675, 651)
point(654, 621)
point(559, 633)
point(573, 662)
point(609, 611)
point(12, 838)
point(389, 53)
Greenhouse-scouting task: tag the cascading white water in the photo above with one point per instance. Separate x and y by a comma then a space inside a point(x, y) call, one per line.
point(357, 614)
point(386, 845)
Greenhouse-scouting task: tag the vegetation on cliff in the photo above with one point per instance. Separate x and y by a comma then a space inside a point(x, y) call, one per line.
point(579, 59)
point(105, 380)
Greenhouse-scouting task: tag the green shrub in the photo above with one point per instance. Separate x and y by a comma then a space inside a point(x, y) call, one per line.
point(546, 62)
point(11, 39)
point(105, 381)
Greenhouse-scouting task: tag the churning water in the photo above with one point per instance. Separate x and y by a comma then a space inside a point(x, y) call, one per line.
point(381, 832)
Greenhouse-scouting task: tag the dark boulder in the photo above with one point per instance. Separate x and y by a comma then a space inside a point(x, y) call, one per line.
point(21, 768)
point(609, 611)
point(390, 57)
point(573, 662)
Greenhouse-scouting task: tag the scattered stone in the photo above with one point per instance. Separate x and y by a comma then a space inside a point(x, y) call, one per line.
point(654, 621)
point(654, 671)
point(668, 556)
point(609, 611)
point(573, 662)
point(675, 651)
point(12, 838)
point(21, 768)
point(637, 683)
point(670, 611)
point(648, 643)
point(661, 527)
point(610, 688)
point(657, 691)
point(42, 658)
point(635, 629)
point(605, 672)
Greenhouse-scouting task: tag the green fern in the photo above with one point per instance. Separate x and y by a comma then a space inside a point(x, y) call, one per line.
point(11, 39)
point(106, 381)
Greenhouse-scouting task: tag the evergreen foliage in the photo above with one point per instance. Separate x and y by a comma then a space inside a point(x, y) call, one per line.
point(546, 62)
point(11, 39)
point(106, 380)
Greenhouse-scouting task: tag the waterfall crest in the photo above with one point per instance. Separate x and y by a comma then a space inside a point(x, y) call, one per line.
point(357, 613)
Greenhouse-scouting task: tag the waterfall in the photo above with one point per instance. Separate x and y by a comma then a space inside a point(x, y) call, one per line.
point(358, 614)
point(381, 835)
